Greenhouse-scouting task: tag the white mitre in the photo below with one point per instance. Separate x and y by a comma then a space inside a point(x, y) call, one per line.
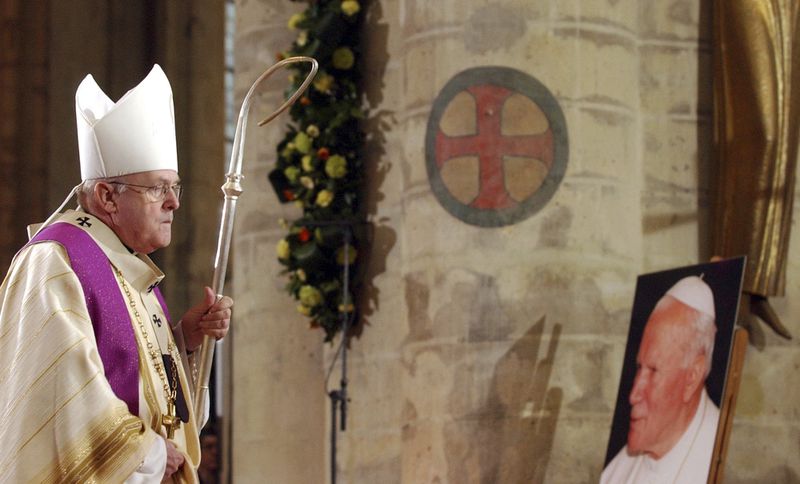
point(695, 293)
point(135, 134)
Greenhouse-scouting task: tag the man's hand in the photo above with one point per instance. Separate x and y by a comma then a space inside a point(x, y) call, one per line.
point(210, 317)
point(174, 460)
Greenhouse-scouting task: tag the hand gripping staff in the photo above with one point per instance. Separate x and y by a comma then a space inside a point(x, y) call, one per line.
point(232, 189)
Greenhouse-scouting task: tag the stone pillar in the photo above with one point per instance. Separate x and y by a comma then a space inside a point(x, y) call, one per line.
point(676, 139)
point(24, 98)
point(491, 387)
point(279, 405)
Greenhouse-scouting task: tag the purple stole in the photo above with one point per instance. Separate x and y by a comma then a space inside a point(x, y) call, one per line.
point(108, 311)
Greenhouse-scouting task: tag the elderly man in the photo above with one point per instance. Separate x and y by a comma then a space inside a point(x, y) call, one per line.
point(96, 377)
point(673, 422)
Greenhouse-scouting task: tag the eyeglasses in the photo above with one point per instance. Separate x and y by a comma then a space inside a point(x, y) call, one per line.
point(155, 193)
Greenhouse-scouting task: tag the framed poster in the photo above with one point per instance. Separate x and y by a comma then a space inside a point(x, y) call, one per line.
point(673, 377)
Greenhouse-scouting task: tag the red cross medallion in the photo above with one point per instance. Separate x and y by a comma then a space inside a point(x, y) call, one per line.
point(491, 146)
point(495, 137)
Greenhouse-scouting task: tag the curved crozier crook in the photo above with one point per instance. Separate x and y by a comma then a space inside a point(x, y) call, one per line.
point(232, 189)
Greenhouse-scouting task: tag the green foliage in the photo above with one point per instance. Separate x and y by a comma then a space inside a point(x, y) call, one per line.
point(320, 162)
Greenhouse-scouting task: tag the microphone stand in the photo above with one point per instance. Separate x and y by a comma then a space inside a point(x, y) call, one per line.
point(338, 397)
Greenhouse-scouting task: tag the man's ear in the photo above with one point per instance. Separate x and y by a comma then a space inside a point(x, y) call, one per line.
point(104, 197)
point(695, 377)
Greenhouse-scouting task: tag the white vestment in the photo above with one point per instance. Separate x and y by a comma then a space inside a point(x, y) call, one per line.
point(61, 421)
point(687, 462)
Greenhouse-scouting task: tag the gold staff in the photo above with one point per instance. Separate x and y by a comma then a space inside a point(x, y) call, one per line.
point(232, 189)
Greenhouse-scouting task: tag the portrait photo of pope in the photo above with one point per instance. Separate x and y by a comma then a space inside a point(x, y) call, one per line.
point(673, 377)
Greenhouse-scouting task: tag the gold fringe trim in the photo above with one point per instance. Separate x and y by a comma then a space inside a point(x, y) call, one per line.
point(103, 451)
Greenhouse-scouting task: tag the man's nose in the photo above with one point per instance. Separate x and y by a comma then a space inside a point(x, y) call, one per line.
point(171, 201)
point(637, 390)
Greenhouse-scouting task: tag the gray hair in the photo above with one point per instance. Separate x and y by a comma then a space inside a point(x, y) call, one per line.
point(86, 190)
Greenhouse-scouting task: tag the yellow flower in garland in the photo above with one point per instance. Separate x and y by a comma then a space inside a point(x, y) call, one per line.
point(294, 20)
point(336, 166)
point(291, 173)
point(324, 83)
point(350, 7)
point(302, 142)
point(302, 38)
point(307, 182)
point(343, 58)
point(312, 130)
point(283, 249)
point(309, 296)
point(304, 310)
point(307, 162)
point(324, 198)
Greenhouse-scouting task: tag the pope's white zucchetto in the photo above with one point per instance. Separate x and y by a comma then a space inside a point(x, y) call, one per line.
point(695, 293)
point(135, 134)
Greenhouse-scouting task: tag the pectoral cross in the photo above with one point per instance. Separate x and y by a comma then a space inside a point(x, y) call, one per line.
point(170, 420)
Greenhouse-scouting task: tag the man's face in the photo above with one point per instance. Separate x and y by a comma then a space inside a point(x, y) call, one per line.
point(142, 225)
point(658, 398)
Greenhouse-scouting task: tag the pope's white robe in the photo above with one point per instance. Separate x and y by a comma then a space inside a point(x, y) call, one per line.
point(59, 418)
point(687, 462)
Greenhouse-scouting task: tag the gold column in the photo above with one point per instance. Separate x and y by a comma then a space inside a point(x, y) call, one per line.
point(756, 108)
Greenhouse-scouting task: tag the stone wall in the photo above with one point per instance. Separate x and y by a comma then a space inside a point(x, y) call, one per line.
point(493, 354)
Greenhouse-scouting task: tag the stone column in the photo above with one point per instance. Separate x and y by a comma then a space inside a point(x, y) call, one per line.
point(279, 406)
point(496, 349)
point(24, 102)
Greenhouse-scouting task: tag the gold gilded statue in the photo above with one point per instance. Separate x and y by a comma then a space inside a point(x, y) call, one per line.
point(756, 111)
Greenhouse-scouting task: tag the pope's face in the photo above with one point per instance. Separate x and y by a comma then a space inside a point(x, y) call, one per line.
point(141, 224)
point(659, 393)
